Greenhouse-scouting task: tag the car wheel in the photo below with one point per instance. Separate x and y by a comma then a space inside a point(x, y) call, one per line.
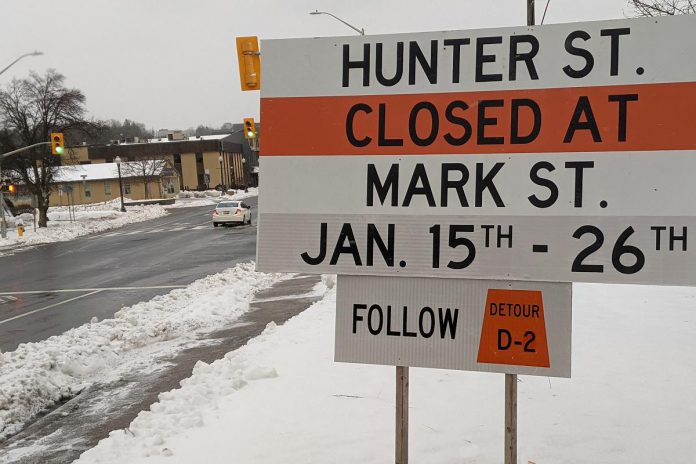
point(215, 224)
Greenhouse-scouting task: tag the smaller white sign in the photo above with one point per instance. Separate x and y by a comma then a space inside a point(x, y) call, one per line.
point(476, 325)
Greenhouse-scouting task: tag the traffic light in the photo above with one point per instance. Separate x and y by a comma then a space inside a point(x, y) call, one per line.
point(8, 186)
point(249, 129)
point(249, 60)
point(57, 145)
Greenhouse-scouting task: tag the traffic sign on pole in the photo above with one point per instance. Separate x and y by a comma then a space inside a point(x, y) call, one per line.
point(547, 153)
point(511, 327)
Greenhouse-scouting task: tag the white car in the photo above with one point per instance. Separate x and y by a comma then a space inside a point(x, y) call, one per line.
point(231, 212)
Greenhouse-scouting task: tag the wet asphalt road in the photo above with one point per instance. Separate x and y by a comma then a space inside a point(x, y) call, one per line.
point(53, 288)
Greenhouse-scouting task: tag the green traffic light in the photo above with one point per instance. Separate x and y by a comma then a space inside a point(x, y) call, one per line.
point(59, 150)
point(250, 134)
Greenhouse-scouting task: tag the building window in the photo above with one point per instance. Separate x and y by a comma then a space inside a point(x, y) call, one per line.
point(107, 187)
point(126, 188)
point(88, 191)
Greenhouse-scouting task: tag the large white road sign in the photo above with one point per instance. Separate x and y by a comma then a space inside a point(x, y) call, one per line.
point(477, 325)
point(563, 152)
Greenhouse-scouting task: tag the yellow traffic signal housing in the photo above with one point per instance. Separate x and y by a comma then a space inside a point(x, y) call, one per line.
point(7, 186)
point(249, 62)
point(249, 129)
point(57, 145)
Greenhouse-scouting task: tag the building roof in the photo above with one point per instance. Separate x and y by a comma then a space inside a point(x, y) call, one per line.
point(192, 138)
point(101, 171)
point(206, 143)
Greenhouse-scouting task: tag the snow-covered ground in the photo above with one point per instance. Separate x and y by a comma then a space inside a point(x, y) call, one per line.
point(38, 375)
point(89, 219)
point(100, 217)
point(282, 399)
point(210, 197)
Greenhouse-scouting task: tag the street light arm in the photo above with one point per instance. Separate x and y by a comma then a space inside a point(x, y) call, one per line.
point(359, 31)
point(23, 56)
point(9, 153)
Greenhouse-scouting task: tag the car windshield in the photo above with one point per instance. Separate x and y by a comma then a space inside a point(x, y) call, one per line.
point(228, 204)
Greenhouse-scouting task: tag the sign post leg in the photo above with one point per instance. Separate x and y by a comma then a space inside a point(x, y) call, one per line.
point(401, 415)
point(510, 419)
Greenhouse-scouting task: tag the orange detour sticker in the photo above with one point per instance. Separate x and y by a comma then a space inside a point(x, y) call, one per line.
point(514, 331)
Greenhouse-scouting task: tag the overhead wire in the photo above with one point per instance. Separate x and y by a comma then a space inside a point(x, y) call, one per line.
point(545, 9)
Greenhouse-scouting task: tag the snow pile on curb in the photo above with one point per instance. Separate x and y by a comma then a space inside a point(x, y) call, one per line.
point(90, 220)
point(192, 203)
point(205, 391)
point(187, 199)
point(38, 375)
point(281, 398)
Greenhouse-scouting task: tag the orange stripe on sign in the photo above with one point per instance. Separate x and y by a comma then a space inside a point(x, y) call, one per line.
point(590, 119)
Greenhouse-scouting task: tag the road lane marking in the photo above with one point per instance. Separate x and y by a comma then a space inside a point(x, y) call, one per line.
point(19, 316)
point(99, 289)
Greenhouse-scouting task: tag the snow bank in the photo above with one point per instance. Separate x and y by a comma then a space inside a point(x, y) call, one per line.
point(241, 194)
point(89, 220)
point(38, 375)
point(192, 203)
point(281, 398)
point(188, 199)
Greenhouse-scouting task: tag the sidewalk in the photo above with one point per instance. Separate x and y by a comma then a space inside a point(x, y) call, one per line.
point(282, 399)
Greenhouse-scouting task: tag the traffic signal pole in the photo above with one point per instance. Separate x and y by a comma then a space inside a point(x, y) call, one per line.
point(3, 225)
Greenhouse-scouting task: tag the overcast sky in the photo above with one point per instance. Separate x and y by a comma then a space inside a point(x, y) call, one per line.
point(172, 63)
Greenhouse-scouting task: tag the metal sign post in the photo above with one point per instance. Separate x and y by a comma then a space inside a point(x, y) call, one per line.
point(511, 379)
point(401, 456)
point(510, 418)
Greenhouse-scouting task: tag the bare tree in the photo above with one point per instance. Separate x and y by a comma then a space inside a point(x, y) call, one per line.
point(144, 170)
point(30, 109)
point(663, 7)
point(115, 130)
